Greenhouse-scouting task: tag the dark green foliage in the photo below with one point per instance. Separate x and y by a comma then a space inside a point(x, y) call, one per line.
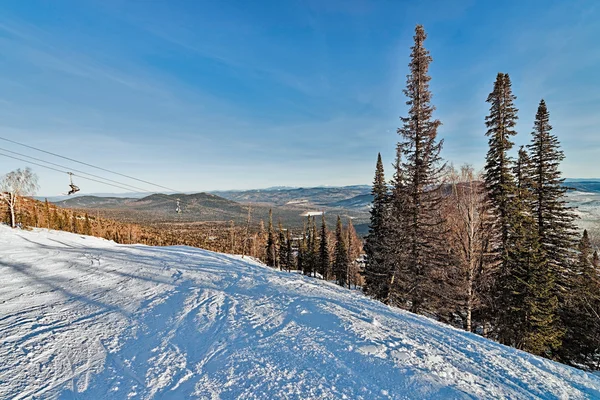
point(289, 252)
point(283, 249)
point(416, 198)
point(378, 269)
point(324, 258)
point(340, 256)
point(271, 260)
point(301, 263)
point(507, 247)
point(581, 345)
point(314, 247)
point(554, 218)
point(498, 178)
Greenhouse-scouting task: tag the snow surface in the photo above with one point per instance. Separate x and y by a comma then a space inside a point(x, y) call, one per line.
point(81, 317)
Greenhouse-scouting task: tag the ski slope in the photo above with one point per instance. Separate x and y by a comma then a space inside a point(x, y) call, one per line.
point(85, 318)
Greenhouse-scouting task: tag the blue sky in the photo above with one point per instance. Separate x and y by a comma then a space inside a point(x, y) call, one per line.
point(206, 95)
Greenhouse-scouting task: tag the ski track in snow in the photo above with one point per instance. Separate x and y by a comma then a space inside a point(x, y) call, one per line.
point(82, 317)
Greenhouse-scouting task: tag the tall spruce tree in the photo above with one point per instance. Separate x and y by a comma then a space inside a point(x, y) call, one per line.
point(418, 195)
point(340, 256)
point(324, 258)
point(498, 178)
point(581, 344)
point(289, 251)
point(314, 247)
point(554, 224)
point(378, 269)
point(301, 257)
point(282, 251)
point(554, 219)
point(502, 191)
point(271, 245)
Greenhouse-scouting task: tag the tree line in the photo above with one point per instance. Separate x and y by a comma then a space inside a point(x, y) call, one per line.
point(497, 252)
point(316, 251)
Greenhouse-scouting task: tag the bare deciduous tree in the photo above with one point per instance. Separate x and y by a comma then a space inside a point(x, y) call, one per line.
point(17, 184)
point(469, 238)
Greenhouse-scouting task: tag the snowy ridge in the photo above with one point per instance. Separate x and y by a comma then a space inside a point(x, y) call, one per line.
point(82, 317)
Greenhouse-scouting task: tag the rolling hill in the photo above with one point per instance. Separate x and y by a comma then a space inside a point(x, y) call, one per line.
point(208, 207)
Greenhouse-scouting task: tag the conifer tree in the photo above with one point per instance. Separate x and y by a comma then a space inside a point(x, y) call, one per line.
point(289, 251)
point(271, 252)
point(308, 255)
point(581, 344)
point(554, 219)
point(340, 257)
point(505, 213)
point(417, 193)
point(378, 268)
point(354, 251)
point(283, 248)
point(301, 258)
point(314, 247)
point(499, 180)
point(324, 258)
point(47, 214)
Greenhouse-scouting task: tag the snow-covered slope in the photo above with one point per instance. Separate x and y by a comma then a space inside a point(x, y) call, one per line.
point(81, 317)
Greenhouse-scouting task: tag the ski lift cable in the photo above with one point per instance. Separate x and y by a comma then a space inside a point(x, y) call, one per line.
point(89, 165)
point(76, 170)
point(64, 172)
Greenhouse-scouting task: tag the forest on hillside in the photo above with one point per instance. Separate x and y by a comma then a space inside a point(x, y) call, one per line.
point(497, 252)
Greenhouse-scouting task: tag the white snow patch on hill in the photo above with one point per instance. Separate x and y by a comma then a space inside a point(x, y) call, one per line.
point(82, 317)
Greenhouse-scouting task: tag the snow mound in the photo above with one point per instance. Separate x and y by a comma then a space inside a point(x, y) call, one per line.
point(82, 317)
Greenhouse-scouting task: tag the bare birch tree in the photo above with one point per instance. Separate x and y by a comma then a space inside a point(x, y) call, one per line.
point(15, 185)
point(469, 238)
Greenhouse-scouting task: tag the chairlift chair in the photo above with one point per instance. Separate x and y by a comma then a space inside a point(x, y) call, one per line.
point(74, 188)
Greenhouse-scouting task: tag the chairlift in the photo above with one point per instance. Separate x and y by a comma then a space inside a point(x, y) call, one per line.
point(74, 188)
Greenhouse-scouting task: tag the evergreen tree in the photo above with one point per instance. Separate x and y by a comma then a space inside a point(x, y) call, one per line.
point(283, 248)
point(581, 344)
point(271, 252)
point(47, 214)
point(308, 255)
point(417, 194)
point(501, 191)
point(324, 262)
point(301, 258)
point(340, 257)
point(314, 247)
point(530, 307)
point(289, 252)
point(554, 219)
point(377, 268)
point(354, 252)
point(498, 179)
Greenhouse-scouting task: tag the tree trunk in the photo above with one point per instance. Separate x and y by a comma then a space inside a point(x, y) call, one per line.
point(13, 223)
point(12, 204)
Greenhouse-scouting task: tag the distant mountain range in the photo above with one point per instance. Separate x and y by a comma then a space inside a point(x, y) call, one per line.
point(584, 185)
point(290, 206)
point(316, 196)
